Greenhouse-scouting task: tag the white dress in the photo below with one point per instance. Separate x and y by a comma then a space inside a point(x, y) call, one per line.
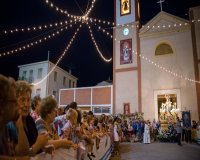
point(116, 135)
point(146, 137)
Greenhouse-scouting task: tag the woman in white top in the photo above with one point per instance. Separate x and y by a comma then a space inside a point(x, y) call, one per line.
point(146, 137)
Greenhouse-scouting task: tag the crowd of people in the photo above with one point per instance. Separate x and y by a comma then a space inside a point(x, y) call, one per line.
point(31, 126)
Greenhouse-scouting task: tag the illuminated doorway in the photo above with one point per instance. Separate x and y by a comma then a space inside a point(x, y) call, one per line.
point(169, 101)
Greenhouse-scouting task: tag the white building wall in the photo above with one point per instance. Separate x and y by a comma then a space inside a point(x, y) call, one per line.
point(181, 62)
point(48, 85)
point(35, 67)
point(126, 83)
point(57, 85)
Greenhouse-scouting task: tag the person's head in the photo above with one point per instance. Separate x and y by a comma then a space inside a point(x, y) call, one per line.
point(73, 105)
point(8, 100)
point(48, 109)
point(90, 113)
point(35, 103)
point(60, 111)
point(84, 118)
point(23, 91)
point(72, 116)
point(125, 121)
point(91, 121)
point(110, 120)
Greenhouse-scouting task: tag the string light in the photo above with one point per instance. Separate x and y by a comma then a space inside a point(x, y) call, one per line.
point(104, 32)
point(90, 9)
point(51, 5)
point(165, 69)
point(36, 28)
point(84, 17)
point(61, 57)
point(154, 26)
point(96, 20)
point(31, 44)
point(97, 48)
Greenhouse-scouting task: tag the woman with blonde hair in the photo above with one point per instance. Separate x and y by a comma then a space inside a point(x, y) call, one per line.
point(71, 116)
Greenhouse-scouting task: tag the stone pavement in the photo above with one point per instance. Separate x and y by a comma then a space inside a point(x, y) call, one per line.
point(158, 151)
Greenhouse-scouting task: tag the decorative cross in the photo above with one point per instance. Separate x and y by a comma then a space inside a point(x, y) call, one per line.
point(161, 1)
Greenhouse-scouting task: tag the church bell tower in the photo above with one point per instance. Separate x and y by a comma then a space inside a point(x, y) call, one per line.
point(126, 62)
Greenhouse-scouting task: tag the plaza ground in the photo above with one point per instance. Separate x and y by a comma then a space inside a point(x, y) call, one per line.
point(158, 151)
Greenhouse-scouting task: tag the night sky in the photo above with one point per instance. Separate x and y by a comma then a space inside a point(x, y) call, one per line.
point(82, 57)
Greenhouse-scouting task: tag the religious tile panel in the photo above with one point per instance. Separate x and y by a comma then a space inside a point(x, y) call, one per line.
point(126, 51)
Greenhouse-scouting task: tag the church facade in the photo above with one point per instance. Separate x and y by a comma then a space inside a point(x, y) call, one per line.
point(156, 67)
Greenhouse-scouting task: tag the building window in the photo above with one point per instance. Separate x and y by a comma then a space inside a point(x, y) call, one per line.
point(73, 84)
point(70, 83)
point(30, 76)
point(39, 76)
point(163, 49)
point(101, 110)
point(55, 76)
point(24, 75)
point(38, 91)
point(64, 81)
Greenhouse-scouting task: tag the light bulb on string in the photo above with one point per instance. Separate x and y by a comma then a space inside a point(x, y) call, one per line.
point(176, 75)
point(97, 48)
point(36, 28)
point(31, 44)
point(60, 58)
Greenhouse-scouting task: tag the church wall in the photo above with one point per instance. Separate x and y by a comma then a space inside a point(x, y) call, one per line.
point(129, 85)
point(181, 62)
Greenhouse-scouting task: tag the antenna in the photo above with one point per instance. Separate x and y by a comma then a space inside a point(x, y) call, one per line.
point(48, 55)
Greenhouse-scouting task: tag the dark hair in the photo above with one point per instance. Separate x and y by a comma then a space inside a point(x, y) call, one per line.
point(79, 116)
point(96, 121)
point(34, 102)
point(5, 84)
point(73, 105)
point(66, 108)
point(48, 104)
point(90, 113)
